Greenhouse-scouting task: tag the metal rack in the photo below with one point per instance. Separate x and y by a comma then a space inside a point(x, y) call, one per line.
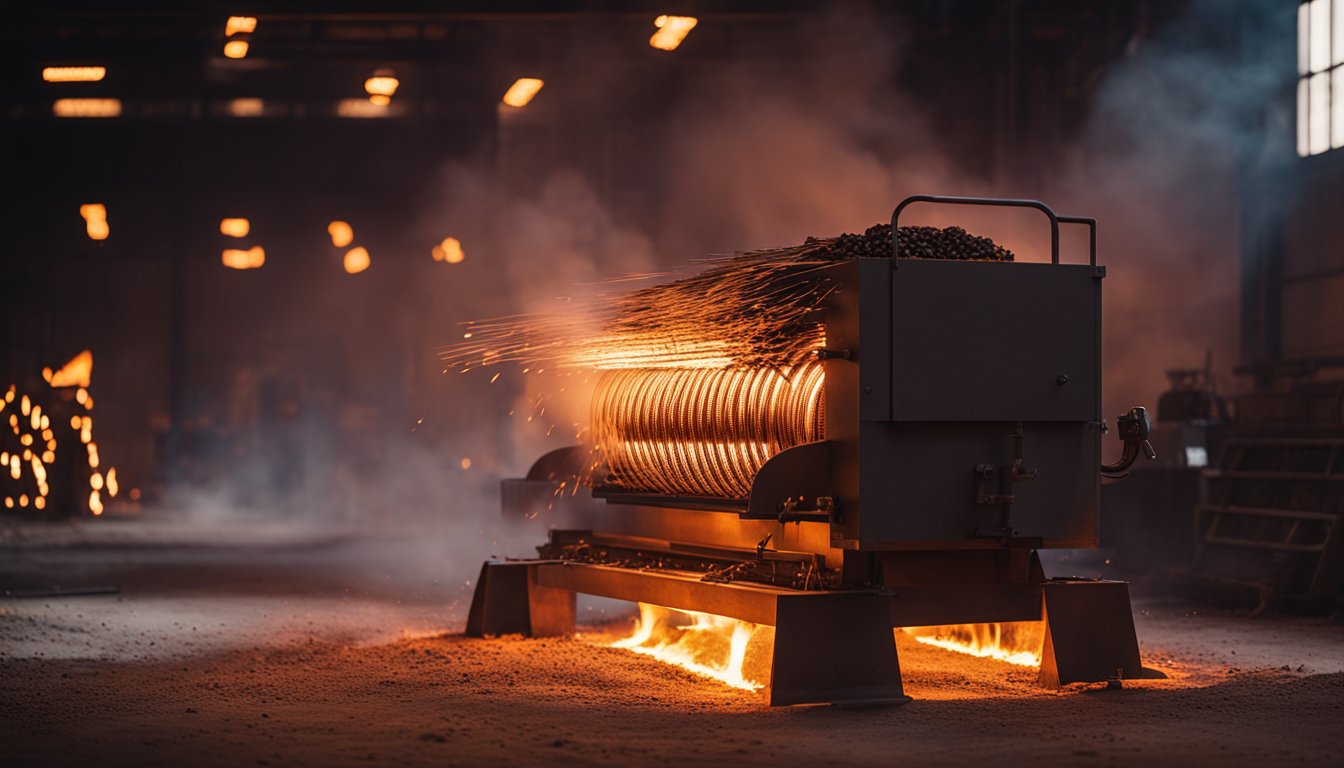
point(1271, 519)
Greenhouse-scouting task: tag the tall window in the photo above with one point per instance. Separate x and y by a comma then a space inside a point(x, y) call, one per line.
point(1320, 69)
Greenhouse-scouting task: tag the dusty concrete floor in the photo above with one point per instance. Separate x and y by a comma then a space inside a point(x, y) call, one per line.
point(275, 646)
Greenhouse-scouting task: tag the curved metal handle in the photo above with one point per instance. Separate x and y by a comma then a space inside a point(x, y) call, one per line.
point(1049, 212)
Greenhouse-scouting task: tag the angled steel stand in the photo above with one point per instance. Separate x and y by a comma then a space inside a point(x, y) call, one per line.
point(829, 646)
point(509, 601)
point(1089, 633)
point(834, 647)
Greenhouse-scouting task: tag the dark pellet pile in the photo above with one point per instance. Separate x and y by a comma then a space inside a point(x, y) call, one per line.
point(917, 243)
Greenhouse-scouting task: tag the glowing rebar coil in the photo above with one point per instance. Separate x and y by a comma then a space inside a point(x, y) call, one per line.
point(703, 431)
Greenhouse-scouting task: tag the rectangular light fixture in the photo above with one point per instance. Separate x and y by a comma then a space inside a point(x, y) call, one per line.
point(362, 108)
point(237, 258)
point(235, 49)
point(522, 91)
point(356, 260)
point(86, 107)
point(237, 24)
point(342, 234)
point(671, 31)
point(248, 107)
point(95, 220)
point(235, 227)
point(73, 74)
point(450, 250)
point(381, 85)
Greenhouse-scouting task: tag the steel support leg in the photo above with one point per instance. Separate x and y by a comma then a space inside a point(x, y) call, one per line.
point(834, 647)
point(508, 600)
point(1089, 633)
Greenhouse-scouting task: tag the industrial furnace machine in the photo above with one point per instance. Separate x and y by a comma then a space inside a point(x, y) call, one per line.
point(941, 425)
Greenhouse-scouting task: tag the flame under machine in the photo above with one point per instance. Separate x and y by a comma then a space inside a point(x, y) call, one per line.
point(946, 427)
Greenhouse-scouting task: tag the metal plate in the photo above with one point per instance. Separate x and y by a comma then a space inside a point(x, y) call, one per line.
point(978, 341)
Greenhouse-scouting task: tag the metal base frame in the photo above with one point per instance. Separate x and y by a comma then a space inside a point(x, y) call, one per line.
point(830, 646)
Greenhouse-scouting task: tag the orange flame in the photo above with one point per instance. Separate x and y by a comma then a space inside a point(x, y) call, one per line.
point(1016, 642)
point(708, 645)
point(75, 373)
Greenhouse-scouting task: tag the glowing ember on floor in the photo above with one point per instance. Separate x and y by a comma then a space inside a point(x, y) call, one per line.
point(1017, 642)
point(708, 645)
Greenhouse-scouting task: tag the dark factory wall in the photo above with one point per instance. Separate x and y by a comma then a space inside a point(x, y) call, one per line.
point(1293, 293)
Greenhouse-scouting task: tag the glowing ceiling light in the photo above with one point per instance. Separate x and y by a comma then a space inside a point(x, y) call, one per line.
point(235, 227)
point(356, 260)
point(236, 258)
point(361, 108)
point(341, 233)
point(95, 220)
point(73, 74)
point(522, 91)
point(246, 107)
point(240, 24)
point(235, 49)
point(86, 107)
point(671, 31)
point(383, 83)
point(450, 250)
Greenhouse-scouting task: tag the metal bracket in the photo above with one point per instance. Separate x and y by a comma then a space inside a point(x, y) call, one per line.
point(798, 510)
point(994, 487)
point(987, 486)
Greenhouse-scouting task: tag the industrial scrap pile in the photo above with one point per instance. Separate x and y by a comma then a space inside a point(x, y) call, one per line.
point(916, 242)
